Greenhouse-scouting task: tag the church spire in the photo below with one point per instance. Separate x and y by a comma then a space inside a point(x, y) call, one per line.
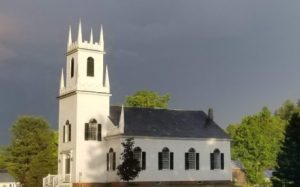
point(62, 81)
point(101, 40)
point(79, 36)
point(70, 37)
point(91, 37)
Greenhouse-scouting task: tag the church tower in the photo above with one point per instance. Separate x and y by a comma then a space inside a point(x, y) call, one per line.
point(84, 102)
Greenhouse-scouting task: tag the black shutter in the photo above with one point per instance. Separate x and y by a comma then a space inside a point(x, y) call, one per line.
point(212, 161)
point(99, 138)
point(86, 132)
point(64, 130)
point(107, 161)
point(69, 132)
point(197, 161)
point(160, 160)
point(222, 160)
point(143, 160)
point(171, 160)
point(186, 159)
point(114, 161)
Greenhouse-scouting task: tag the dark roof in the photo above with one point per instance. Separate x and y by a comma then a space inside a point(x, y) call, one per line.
point(166, 123)
point(5, 176)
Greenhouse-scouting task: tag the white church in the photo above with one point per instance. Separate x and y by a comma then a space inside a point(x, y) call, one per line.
point(173, 146)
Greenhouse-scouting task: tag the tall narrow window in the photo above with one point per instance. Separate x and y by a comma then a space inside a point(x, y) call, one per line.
point(92, 130)
point(72, 67)
point(165, 159)
point(90, 67)
point(111, 160)
point(217, 159)
point(140, 156)
point(67, 131)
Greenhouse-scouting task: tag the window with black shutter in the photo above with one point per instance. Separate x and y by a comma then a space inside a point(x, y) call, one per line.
point(222, 160)
point(99, 135)
point(86, 133)
point(160, 161)
point(197, 161)
point(217, 159)
point(171, 160)
point(212, 161)
point(69, 132)
point(114, 161)
point(140, 156)
point(107, 161)
point(64, 135)
point(186, 159)
point(93, 130)
point(143, 160)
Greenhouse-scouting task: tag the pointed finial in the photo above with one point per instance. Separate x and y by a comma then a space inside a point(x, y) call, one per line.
point(122, 120)
point(106, 82)
point(91, 37)
point(62, 81)
point(101, 40)
point(70, 36)
point(79, 36)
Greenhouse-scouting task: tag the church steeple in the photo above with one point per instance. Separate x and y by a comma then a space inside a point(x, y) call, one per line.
point(85, 69)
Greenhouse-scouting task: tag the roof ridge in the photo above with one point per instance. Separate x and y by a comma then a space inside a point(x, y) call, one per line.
point(157, 108)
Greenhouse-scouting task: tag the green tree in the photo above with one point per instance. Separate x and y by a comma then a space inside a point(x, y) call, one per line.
point(256, 142)
point(287, 109)
point(287, 172)
point(32, 153)
point(2, 158)
point(149, 99)
point(130, 168)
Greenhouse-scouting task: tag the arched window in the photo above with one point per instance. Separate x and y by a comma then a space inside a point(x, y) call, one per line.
point(140, 156)
point(111, 160)
point(191, 159)
point(165, 159)
point(217, 159)
point(92, 130)
point(90, 67)
point(72, 67)
point(67, 132)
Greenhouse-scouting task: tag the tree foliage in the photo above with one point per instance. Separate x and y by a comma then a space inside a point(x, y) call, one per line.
point(149, 99)
point(130, 168)
point(287, 109)
point(256, 142)
point(287, 172)
point(32, 153)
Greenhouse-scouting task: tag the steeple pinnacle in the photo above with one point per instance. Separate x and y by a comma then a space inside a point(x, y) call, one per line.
point(62, 81)
point(91, 37)
point(101, 40)
point(79, 36)
point(106, 83)
point(70, 36)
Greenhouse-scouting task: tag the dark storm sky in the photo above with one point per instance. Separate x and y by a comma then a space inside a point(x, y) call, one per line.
point(235, 56)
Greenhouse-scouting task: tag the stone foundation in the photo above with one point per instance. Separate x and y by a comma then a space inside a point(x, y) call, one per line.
point(158, 183)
